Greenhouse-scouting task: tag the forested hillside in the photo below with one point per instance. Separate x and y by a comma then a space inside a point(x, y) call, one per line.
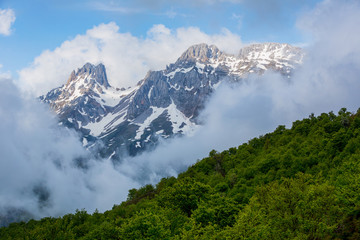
point(298, 183)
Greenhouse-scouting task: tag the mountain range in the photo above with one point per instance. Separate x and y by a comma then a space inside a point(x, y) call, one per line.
point(166, 103)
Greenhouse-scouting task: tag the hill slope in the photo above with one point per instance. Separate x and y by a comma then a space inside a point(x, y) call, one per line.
point(298, 183)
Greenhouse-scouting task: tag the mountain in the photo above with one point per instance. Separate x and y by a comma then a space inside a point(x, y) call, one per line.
point(165, 103)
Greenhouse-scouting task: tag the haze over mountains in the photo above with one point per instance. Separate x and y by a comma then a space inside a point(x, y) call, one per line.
point(165, 103)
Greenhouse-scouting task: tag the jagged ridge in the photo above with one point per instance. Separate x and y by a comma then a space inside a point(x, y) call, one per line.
point(165, 103)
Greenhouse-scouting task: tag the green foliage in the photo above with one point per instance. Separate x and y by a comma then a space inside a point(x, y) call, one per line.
point(290, 209)
point(218, 211)
point(146, 225)
point(298, 183)
point(148, 191)
point(184, 194)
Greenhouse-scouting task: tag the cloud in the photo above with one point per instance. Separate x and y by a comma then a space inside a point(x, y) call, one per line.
point(332, 67)
point(159, 3)
point(7, 18)
point(269, 6)
point(273, 14)
point(127, 58)
point(232, 116)
point(111, 7)
point(171, 13)
point(238, 18)
point(6, 74)
point(39, 172)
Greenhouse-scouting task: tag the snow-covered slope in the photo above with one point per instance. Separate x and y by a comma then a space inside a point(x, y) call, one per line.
point(165, 103)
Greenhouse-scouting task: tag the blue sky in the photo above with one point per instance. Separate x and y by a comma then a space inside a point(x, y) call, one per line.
point(45, 24)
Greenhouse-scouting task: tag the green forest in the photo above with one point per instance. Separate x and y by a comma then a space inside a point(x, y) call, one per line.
point(297, 183)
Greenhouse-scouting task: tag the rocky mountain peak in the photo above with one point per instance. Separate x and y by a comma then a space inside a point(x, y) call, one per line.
point(93, 75)
point(201, 53)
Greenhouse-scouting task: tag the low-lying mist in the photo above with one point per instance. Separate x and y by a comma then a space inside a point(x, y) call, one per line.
point(39, 174)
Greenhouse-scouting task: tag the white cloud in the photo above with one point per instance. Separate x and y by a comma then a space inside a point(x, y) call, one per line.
point(127, 58)
point(37, 159)
point(7, 18)
point(6, 74)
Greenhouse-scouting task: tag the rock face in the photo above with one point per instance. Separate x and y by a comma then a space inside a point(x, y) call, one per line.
point(84, 99)
point(165, 103)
